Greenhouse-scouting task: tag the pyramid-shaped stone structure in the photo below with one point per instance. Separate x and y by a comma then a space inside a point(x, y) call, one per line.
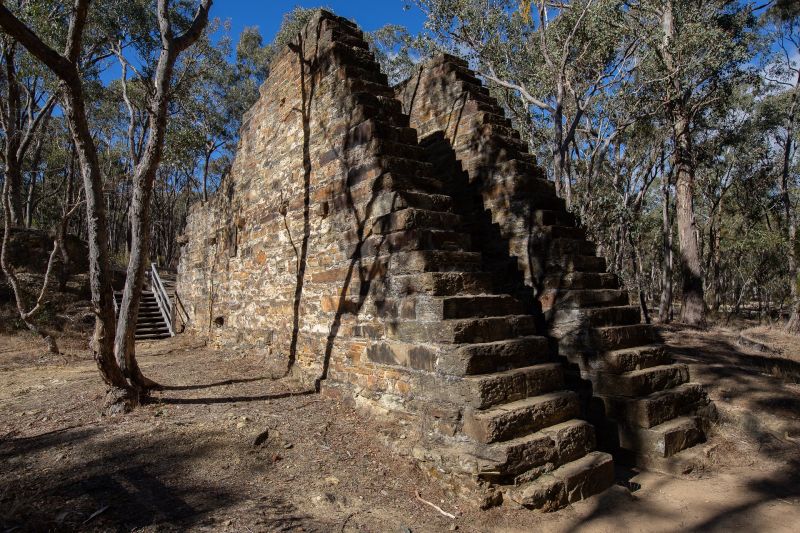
point(399, 249)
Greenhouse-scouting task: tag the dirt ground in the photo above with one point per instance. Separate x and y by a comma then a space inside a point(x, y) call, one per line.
point(189, 459)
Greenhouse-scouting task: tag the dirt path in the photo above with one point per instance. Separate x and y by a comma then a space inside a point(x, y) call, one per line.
point(188, 460)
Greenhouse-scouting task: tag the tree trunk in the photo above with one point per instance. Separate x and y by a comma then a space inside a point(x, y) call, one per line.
point(636, 266)
point(793, 325)
point(692, 302)
point(61, 236)
point(665, 304)
point(99, 260)
point(25, 314)
point(144, 176)
point(716, 258)
point(206, 164)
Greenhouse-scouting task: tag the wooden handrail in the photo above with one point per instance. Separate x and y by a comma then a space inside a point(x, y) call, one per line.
point(162, 298)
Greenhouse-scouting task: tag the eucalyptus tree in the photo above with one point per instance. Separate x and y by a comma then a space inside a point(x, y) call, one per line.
point(555, 58)
point(158, 79)
point(695, 58)
point(27, 99)
point(782, 76)
point(69, 67)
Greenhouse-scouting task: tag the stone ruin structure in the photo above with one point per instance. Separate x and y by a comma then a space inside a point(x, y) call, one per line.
point(398, 248)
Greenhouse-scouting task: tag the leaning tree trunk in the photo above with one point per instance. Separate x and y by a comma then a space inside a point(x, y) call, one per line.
point(99, 259)
point(26, 315)
point(144, 176)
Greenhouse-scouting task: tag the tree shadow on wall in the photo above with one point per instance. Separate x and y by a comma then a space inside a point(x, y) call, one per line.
point(499, 190)
point(309, 69)
point(346, 148)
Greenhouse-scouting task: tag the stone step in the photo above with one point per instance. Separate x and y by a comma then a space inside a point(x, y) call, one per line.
point(656, 408)
point(571, 246)
point(507, 421)
point(576, 263)
point(480, 306)
point(568, 232)
point(441, 283)
point(665, 439)
point(353, 71)
point(410, 240)
point(641, 382)
point(564, 321)
point(630, 359)
point(382, 146)
point(368, 181)
point(434, 261)
point(427, 308)
point(492, 145)
point(369, 105)
point(581, 280)
point(482, 358)
point(489, 129)
point(360, 85)
point(508, 386)
point(344, 37)
point(389, 201)
point(508, 188)
point(544, 217)
point(582, 298)
point(373, 128)
point(538, 453)
point(619, 337)
point(574, 481)
point(472, 330)
point(411, 218)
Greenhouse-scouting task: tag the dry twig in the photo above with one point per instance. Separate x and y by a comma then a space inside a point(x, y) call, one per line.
point(426, 502)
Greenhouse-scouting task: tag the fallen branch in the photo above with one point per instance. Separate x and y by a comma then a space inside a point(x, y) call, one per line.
point(426, 502)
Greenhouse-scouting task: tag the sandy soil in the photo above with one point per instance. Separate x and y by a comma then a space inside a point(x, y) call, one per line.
point(189, 459)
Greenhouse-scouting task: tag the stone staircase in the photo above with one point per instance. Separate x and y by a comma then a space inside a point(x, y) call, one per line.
point(492, 393)
point(647, 408)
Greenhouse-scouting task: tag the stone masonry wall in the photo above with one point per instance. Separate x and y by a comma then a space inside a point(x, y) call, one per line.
point(643, 404)
point(268, 263)
point(335, 249)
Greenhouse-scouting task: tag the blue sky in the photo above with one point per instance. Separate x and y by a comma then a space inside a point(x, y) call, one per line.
point(267, 14)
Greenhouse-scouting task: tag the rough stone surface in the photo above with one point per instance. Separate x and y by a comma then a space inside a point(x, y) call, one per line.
point(529, 240)
point(429, 281)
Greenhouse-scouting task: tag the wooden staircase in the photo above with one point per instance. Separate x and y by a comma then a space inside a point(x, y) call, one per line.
point(155, 309)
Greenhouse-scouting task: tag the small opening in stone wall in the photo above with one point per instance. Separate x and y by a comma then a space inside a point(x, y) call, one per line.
point(219, 321)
